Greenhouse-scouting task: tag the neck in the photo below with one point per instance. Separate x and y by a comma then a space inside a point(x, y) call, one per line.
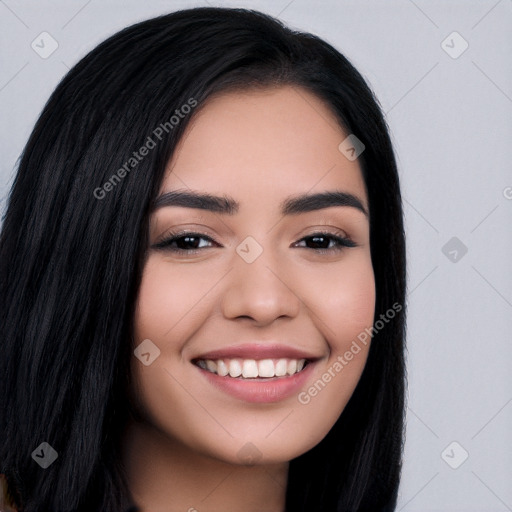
point(164, 475)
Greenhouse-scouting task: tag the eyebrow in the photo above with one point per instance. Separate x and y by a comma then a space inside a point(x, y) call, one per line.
point(294, 205)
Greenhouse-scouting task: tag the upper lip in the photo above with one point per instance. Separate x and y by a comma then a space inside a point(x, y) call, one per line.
point(258, 351)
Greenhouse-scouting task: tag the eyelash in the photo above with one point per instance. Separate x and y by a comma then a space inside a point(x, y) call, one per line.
point(342, 242)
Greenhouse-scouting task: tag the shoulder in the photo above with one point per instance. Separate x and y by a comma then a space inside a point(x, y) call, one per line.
point(6, 504)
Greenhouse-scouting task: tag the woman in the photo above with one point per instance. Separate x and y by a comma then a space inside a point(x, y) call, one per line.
point(202, 275)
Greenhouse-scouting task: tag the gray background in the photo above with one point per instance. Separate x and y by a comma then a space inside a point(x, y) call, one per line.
point(451, 123)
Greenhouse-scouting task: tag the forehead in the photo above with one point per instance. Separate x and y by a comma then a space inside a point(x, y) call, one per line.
point(264, 143)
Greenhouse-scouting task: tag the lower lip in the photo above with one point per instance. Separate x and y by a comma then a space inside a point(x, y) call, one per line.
point(270, 390)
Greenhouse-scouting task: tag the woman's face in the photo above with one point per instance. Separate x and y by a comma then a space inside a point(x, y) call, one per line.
point(261, 285)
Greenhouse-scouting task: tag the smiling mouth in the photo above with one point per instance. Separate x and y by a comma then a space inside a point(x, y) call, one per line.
point(252, 369)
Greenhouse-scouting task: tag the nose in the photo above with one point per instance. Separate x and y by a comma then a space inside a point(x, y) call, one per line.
point(259, 291)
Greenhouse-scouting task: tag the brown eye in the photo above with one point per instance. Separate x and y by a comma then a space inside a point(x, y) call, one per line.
point(186, 242)
point(327, 242)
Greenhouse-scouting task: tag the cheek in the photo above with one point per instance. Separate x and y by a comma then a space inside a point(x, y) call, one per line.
point(349, 304)
point(343, 299)
point(168, 311)
point(166, 302)
point(344, 306)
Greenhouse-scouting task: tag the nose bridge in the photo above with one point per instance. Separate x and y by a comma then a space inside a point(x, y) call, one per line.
point(257, 285)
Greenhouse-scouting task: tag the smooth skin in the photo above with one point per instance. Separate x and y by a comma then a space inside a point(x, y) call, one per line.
point(258, 147)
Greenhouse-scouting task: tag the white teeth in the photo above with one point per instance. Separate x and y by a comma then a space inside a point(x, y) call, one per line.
point(251, 369)
point(222, 369)
point(292, 366)
point(281, 367)
point(266, 368)
point(212, 366)
point(235, 368)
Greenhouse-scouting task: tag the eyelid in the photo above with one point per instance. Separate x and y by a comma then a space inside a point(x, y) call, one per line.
point(170, 235)
point(326, 229)
point(343, 241)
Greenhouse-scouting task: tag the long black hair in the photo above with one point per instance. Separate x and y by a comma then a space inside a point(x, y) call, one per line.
point(73, 244)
